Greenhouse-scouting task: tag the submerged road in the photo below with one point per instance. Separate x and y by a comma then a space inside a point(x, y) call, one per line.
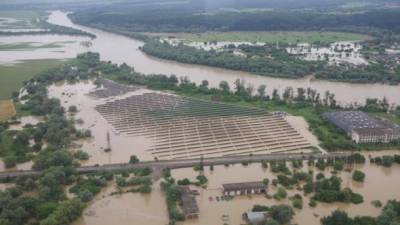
point(185, 163)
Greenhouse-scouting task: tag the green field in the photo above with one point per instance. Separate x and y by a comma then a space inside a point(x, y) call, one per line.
point(12, 77)
point(274, 37)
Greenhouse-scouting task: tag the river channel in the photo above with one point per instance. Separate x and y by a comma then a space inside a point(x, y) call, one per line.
point(119, 49)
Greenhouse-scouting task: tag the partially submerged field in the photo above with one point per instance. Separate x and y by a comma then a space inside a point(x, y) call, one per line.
point(32, 45)
point(13, 76)
point(21, 19)
point(7, 110)
point(274, 37)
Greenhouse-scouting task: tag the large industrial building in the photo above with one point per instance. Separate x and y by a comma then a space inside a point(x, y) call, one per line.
point(363, 128)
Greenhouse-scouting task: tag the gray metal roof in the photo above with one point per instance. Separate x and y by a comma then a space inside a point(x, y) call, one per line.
point(243, 185)
point(255, 217)
point(349, 120)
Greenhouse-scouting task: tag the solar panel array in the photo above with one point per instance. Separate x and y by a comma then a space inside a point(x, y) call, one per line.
point(110, 89)
point(188, 128)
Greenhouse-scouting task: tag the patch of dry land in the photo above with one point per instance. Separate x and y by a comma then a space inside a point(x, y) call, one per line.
point(7, 110)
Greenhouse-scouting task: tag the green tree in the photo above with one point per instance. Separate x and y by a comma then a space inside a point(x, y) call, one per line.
point(224, 86)
point(337, 218)
point(134, 159)
point(283, 214)
point(358, 176)
point(65, 213)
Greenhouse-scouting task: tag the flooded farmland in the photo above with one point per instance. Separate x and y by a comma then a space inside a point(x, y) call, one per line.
point(40, 47)
point(336, 53)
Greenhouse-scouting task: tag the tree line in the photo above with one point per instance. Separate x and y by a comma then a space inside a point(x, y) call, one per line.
point(194, 18)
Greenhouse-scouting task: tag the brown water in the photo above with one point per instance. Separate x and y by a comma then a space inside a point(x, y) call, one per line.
point(21, 166)
point(380, 184)
point(136, 209)
point(120, 49)
point(32, 120)
point(122, 146)
point(126, 209)
point(301, 126)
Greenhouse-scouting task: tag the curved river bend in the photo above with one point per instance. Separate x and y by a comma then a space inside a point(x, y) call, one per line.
point(119, 49)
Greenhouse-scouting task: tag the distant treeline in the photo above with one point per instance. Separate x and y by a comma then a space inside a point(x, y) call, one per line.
point(177, 19)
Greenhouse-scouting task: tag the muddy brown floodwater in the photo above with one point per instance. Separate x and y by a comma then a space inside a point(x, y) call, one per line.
point(25, 120)
point(380, 184)
point(137, 209)
point(126, 209)
point(122, 146)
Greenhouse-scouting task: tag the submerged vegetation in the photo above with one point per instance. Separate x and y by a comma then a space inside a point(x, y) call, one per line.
point(273, 37)
point(390, 215)
point(270, 60)
point(50, 206)
point(33, 23)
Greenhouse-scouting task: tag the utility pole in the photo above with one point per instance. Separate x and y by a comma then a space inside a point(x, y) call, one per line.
point(108, 149)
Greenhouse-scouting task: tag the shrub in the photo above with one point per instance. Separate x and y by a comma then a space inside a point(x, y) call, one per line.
point(358, 176)
point(312, 203)
point(184, 181)
point(280, 194)
point(387, 160)
point(72, 109)
point(376, 203)
point(81, 155)
point(134, 159)
point(283, 214)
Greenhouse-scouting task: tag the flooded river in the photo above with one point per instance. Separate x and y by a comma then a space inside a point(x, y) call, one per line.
point(120, 49)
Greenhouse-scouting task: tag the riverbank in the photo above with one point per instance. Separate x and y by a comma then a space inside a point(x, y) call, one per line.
point(19, 22)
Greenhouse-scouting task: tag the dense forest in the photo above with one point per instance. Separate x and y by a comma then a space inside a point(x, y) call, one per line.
point(200, 16)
